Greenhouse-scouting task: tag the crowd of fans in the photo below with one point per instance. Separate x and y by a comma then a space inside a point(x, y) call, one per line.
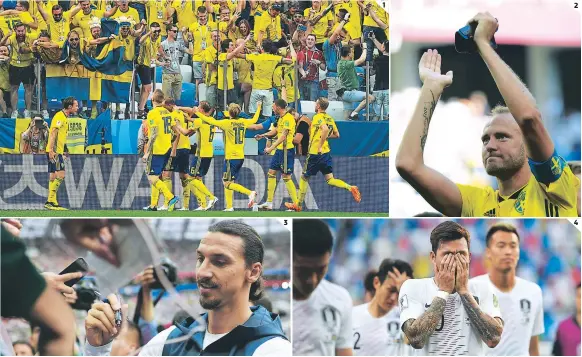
point(550, 256)
point(257, 43)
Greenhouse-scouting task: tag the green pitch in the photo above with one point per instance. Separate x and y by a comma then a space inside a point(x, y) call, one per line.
point(165, 214)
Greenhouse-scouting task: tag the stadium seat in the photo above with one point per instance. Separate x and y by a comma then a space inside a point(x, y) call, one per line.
point(186, 73)
point(188, 97)
point(158, 74)
point(308, 108)
point(336, 110)
point(202, 94)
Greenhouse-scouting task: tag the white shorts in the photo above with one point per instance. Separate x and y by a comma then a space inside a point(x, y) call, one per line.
point(265, 95)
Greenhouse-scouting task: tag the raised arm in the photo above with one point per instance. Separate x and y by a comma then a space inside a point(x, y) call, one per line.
point(4, 40)
point(377, 20)
point(238, 49)
point(517, 97)
point(255, 117)
point(210, 120)
point(489, 328)
point(360, 61)
point(74, 11)
point(111, 11)
point(338, 29)
point(43, 13)
point(439, 191)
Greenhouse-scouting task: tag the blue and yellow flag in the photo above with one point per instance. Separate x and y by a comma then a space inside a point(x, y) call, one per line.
point(107, 77)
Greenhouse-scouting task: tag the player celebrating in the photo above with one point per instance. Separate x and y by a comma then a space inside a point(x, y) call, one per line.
point(377, 324)
point(234, 131)
point(204, 154)
point(514, 137)
point(158, 150)
point(322, 311)
point(472, 311)
point(520, 300)
point(319, 159)
point(284, 157)
point(55, 149)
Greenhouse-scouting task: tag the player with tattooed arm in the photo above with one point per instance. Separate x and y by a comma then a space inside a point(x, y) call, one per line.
point(532, 179)
point(448, 315)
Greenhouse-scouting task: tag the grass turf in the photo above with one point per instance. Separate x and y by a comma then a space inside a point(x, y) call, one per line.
point(165, 214)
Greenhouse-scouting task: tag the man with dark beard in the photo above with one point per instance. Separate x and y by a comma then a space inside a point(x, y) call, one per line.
point(229, 274)
point(533, 180)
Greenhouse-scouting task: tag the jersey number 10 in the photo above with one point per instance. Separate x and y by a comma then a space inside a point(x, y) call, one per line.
point(239, 135)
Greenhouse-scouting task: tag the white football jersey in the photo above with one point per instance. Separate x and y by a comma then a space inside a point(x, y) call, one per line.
point(323, 322)
point(378, 336)
point(523, 316)
point(454, 335)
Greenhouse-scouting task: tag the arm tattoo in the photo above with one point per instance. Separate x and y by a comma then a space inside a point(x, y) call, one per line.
point(488, 327)
point(152, 139)
point(427, 115)
point(418, 331)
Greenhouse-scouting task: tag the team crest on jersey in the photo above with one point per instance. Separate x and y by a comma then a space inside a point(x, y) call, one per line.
point(331, 320)
point(394, 329)
point(403, 302)
point(525, 306)
point(519, 202)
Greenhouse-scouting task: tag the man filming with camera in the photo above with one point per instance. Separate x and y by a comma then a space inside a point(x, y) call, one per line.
point(35, 138)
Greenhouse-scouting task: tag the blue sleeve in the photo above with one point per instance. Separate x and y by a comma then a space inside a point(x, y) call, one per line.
point(148, 330)
point(548, 171)
point(267, 123)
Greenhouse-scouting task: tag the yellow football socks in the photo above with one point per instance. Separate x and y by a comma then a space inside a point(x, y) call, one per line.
point(239, 188)
point(228, 197)
point(168, 195)
point(186, 192)
point(202, 188)
point(291, 189)
point(53, 188)
point(271, 186)
point(168, 183)
point(338, 183)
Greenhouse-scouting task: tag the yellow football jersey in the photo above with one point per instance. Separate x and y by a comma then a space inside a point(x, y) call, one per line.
point(178, 116)
point(265, 65)
point(535, 199)
point(161, 119)
point(202, 37)
point(353, 26)
point(315, 135)
point(320, 27)
point(287, 122)
point(186, 11)
point(205, 136)
point(234, 134)
point(61, 122)
point(83, 21)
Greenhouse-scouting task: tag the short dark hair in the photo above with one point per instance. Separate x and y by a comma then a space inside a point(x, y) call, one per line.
point(19, 24)
point(448, 231)
point(25, 4)
point(281, 103)
point(268, 46)
point(311, 237)
point(205, 105)
point(169, 101)
point(369, 281)
point(388, 265)
point(44, 33)
point(345, 51)
point(201, 9)
point(170, 26)
point(56, 7)
point(154, 24)
point(342, 12)
point(23, 342)
point(253, 248)
point(68, 102)
point(225, 44)
point(503, 227)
